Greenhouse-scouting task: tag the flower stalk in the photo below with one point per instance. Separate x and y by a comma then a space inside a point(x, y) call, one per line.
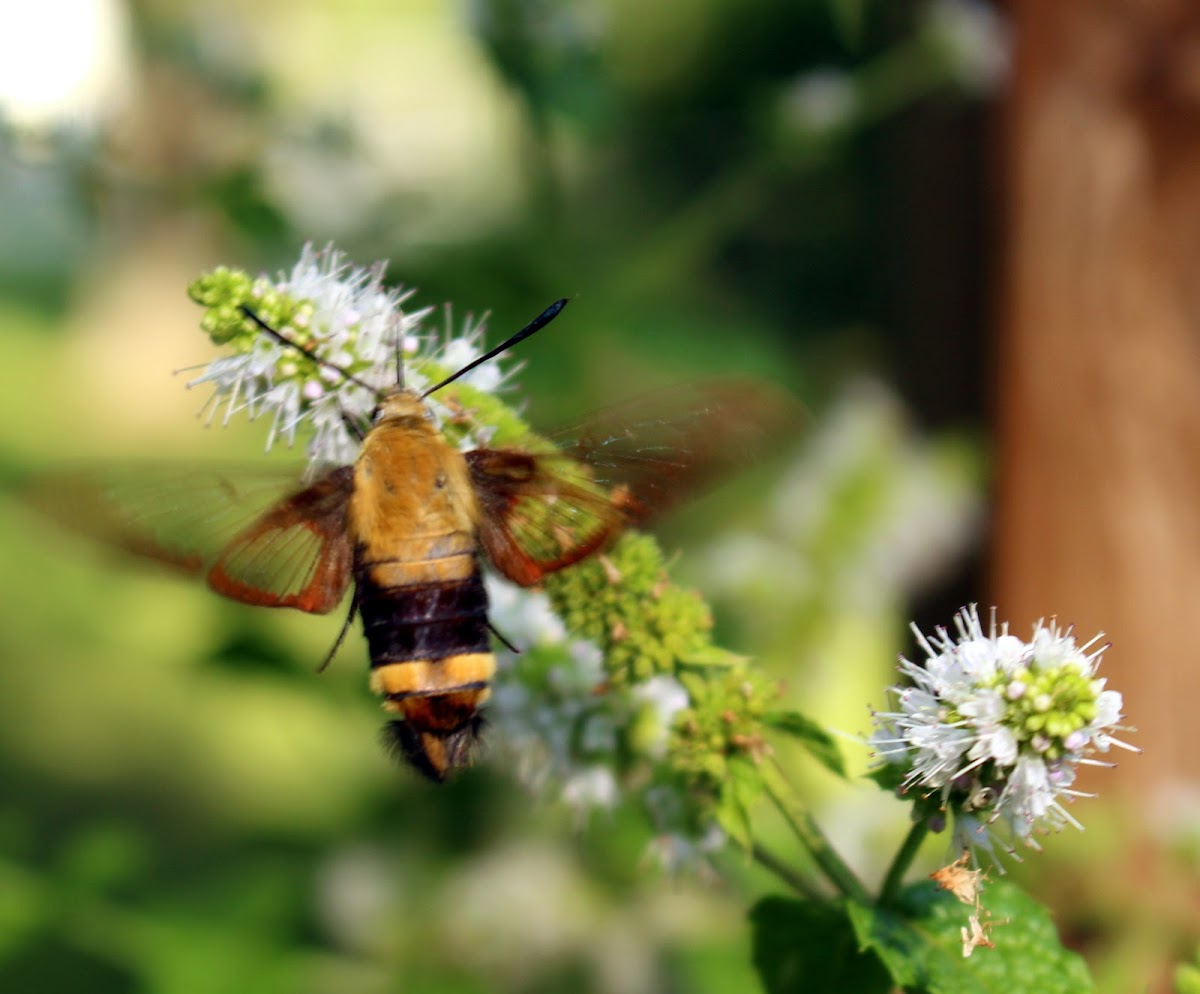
point(894, 877)
point(796, 814)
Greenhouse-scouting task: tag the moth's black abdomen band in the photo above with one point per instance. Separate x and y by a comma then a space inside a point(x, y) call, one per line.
point(432, 621)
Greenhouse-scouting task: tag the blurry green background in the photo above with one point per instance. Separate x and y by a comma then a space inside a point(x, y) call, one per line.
point(791, 190)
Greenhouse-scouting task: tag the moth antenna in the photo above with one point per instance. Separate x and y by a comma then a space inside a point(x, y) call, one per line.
point(356, 428)
point(537, 324)
point(284, 340)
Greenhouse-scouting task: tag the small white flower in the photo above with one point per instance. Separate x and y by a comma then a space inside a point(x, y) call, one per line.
point(821, 100)
point(591, 788)
point(886, 744)
point(993, 728)
point(665, 697)
point(970, 833)
point(528, 619)
point(973, 39)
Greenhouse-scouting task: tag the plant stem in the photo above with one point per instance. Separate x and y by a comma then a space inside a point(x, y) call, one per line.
point(767, 859)
point(904, 857)
point(784, 797)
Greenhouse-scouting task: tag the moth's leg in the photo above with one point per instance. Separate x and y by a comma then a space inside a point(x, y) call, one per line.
point(342, 634)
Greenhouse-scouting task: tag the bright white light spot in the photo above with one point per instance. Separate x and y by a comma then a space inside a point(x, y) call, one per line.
point(62, 62)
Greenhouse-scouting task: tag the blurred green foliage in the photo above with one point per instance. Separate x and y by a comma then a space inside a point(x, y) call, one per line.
point(724, 186)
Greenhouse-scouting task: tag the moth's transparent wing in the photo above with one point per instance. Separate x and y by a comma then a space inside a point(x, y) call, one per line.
point(257, 535)
point(623, 465)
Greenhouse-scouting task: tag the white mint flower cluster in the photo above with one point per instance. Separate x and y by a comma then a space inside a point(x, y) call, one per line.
point(993, 728)
point(344, 316)
point(558, 722)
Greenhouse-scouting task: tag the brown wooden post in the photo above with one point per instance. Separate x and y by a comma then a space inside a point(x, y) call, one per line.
point(1098, 399)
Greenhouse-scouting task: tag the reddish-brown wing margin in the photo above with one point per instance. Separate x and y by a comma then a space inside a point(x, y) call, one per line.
point(260, 536)
point(539, 513)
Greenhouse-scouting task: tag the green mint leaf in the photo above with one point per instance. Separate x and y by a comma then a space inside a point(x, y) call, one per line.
point(920, 943)
point(742, 787)
point(814, 738)
point(802, 947)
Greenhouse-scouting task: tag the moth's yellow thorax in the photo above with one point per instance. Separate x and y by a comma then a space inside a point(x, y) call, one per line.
point(411, 488)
